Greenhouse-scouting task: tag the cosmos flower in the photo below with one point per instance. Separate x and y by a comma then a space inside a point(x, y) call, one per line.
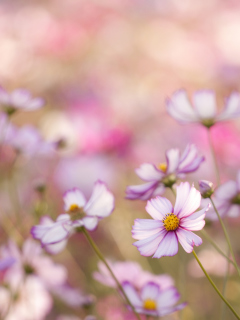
point(153, 301)
point(19, 99)
point(206, 188)
point(203, 108)
point(226, 199)
point(159, 237)
point(132, 272)
point(166, 174)
point(81, 213)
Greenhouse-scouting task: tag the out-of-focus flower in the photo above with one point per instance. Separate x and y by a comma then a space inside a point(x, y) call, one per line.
point(19, 99)
point(206, 188)
point(226, 199)
point(153, 301)
point(81, 213)
point(204, 109)
point(165, 174)
point(132, 272)
point(31, 261)
point(159, 237)
point(32, 301)
point(28, 141)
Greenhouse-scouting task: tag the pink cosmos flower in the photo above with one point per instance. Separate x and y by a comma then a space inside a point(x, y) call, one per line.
point(226, 199)
point(203, 109)
point(160, 237)
point(132, 272)
point(166, 174)
point(81, 213)
point(19, 99)
point(153, 301)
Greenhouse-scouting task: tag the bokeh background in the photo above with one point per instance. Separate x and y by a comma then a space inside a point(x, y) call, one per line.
point(105, 68)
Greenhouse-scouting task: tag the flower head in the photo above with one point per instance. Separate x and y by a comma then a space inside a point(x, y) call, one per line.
point(203, 109)
point(166, 174)
point(19, 99)
point(206, 188)
point(153, 301)
point(80, 213)
point(159, 237)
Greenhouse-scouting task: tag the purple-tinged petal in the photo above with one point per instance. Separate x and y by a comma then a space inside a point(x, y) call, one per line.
point(204, 102)
point(4, 97)
point(227, 190)
point(159, 207)
point(190, 160)
point(180, 108)
point(35, 104)
point(6, 263)
point(55, 248)
point(193, 225)
point(73, 197)
point(142, 191)
point(166, 311)
point(232, 107)
point(168, 246)
point(38, 231)
point(144, 228)
point(132, 294)
point(188, 239)
point(57, 233)
point(101, 202)
point(148, 246)
point(168, 298)
point(148, 172)
point(150, 291)
point(19, 98)
point(188, 200)
point(198, 215)
point(173, 157)
point(90, 223)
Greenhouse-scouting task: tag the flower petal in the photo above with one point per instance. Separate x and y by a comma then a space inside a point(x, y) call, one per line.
point(165, 311)
point(132, 294)
point(188, 239)
point(144, 228)
point(159, 207)
point(173, 157)
point(232, 107)
point(57, 233)
point(148, 172)
point(150, 291)
point(168, 297)
point(187, 201)
point(204, 102)
point(101, 202)
point(142, 191)
point(227, 190)
point(168, 246)
point(73, 197)
point(90, 223)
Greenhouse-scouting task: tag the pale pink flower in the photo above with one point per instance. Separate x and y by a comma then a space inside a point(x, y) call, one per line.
point(165, 174)
point(81, 213)
point(160, 237)
point(132, 272)
point(203, 108)
point(153, 301)
point(19, 99)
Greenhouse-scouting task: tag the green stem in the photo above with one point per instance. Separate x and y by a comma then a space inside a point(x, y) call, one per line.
point(205, 235)
point(101, 257)
point(226, 236)
point(173, 191)
point(214, 157)
point(214, 286)
point(223, 306)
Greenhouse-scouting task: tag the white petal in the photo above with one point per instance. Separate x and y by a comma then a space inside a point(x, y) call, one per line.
point(55, 248)
point(35, 104)
point(168, 297)
point(150, 291)
point(189, 160)
point(132, 294)
point(148, 172)
point(55, 234)
point(144, 228)
point(168, 246)
point(142, 191)
point(73, 196)
point(204, 102)
point(101, 202)
point(188, 239)
point(232, 108)
point(90, 223)
point(20, 98)
point(173, 157)
point(159, 207)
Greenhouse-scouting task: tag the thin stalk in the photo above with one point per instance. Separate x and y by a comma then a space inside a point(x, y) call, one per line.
point(214, 157)
point(101, 257)
point(205, 235)
point(226, 236)
point(214, 286)
point(223, 306)
point(173, 191)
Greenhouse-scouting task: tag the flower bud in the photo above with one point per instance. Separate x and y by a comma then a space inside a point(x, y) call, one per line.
point(206, 188)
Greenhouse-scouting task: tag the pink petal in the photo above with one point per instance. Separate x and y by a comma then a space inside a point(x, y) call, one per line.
point(35, 104)
point(232, 107)
point(188, 239)
point(101, 202)
point(144, 228)
point(159, 207)
point(233, 211)
point(150, 291)
point(73, 196)
point(227, 190)
point(168, 297)
point(20, 98)
point(132, 294)
point(204, 102)
point(173, 157)
point(142, 191)
point(55, 234)
point(193, 225)
point(187, 201)
point(165, 311)
point(148, 172)
point(168, 246)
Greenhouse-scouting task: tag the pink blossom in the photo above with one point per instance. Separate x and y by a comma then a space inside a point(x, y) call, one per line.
point(159, 237)
point(203, 108)
point(153, 301)
point(81, 213)
point(166, 174)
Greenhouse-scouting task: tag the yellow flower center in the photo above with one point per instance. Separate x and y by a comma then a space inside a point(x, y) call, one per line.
point(150, 304)
point(74, 207)
point(171, 222)
point(163, 167)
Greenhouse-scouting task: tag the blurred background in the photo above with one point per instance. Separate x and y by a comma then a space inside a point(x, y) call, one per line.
point(105, 68)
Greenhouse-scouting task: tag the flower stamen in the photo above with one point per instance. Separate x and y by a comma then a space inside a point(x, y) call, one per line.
point(150, 304)
point(163, 167)
point(171, 222)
